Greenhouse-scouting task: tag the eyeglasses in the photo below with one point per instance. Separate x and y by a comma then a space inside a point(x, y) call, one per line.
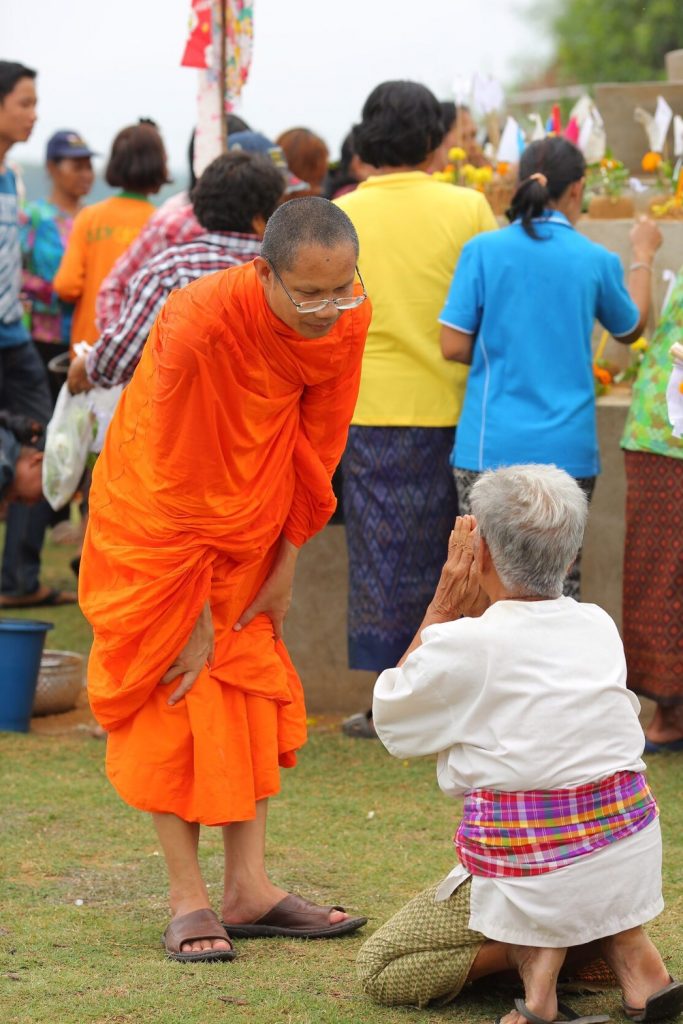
point(316, 305)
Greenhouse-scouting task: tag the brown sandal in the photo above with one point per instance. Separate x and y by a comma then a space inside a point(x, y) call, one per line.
point(199, 924)
point(298, 918)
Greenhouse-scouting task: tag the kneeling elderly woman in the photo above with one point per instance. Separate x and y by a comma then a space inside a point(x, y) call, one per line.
point(527, 708)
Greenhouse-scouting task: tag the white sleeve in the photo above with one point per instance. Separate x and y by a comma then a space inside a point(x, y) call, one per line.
point(419, 708)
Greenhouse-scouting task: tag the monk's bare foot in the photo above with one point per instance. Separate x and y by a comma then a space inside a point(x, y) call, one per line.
point(637, 965)
point(186, 906)
point(539, 969)
point(246, 907)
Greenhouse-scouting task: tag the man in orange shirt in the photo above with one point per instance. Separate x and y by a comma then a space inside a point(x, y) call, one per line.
point(216, 469)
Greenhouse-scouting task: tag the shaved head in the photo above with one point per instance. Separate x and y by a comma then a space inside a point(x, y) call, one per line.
point(308, 221)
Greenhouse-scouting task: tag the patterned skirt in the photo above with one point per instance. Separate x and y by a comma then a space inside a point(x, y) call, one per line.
point(653, 576)
point(399, 506)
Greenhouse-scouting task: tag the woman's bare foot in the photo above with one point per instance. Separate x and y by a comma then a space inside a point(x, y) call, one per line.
point(637, 964)
point(666, 726)
point(539, 969)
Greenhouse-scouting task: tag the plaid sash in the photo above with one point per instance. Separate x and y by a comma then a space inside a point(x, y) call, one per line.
point(512, 835)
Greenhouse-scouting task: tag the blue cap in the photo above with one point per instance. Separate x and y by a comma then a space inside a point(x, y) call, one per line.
point(67, 144)
point(254, 142)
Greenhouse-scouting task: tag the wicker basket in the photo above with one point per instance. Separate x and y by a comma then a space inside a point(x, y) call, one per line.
point(60, 681)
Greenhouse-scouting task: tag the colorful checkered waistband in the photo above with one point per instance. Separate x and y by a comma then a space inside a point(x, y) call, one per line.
point(529, 833)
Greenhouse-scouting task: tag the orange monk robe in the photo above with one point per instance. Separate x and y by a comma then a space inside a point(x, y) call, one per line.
point(225, 439)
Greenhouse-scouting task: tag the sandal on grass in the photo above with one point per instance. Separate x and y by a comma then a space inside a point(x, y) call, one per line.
point(297, 918)
point(665, 1004)
point(360, 726)
point(566, 1011)
point(44, 597)
point(199, 924)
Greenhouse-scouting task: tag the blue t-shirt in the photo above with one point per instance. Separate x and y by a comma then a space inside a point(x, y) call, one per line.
point(531, 305)
point(12, 330)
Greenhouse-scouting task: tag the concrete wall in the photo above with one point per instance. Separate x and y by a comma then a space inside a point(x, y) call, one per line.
point(617, 103)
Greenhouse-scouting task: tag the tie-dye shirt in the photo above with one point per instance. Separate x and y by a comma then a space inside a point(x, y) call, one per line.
point(648, 428)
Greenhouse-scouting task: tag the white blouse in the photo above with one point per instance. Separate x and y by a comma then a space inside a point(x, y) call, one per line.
point(531, 695)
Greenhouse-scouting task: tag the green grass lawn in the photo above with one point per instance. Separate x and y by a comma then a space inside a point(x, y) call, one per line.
point(352, 825)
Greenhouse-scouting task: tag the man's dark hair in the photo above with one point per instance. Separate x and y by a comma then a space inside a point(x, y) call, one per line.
point(401, 124)
point(235, 188)
point(137, 162)
point(310, 220)
point(10, 74)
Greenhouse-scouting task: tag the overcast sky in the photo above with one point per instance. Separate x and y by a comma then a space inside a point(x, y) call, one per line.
point(102, 65)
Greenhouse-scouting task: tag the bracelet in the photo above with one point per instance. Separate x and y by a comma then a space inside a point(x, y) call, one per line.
point(638, 266)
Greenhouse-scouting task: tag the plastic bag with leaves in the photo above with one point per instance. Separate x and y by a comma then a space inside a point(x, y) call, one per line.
point(68, 440)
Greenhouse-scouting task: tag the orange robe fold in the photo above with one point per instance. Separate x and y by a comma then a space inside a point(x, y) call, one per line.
point(225, 439)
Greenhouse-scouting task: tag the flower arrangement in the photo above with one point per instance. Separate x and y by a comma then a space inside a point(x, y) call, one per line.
point(607, 178)
point(606, 373)
point(494, 183)
point(670, 203)
point(605, 185)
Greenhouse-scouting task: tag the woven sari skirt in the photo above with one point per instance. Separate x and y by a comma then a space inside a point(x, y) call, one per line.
point(653, 576)
point(399, 506)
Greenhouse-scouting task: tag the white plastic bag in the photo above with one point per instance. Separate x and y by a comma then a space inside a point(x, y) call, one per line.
point(68, 439)
point(103, 402)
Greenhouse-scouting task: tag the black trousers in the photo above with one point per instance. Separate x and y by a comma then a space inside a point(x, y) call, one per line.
point(24, 389)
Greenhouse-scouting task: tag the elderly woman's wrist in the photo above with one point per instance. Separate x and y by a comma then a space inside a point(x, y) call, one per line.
point(439, 611)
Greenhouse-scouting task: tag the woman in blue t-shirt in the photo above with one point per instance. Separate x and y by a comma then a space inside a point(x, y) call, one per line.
point(521, 310)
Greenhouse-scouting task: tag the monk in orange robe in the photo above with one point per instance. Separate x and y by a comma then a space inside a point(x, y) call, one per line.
point(216, 469)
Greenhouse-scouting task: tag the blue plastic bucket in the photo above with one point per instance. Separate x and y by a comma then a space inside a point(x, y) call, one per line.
point(21, 648)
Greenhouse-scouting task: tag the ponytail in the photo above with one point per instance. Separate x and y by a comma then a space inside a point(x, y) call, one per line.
point(546, 171)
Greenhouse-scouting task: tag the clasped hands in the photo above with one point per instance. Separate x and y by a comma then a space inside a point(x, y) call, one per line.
point(459, 590)
point(273, 599)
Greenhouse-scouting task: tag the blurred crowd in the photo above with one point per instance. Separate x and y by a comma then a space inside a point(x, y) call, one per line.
point(478, 327)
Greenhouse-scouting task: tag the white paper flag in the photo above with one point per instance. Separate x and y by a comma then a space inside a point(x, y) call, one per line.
point(538, 131)
point(508, 150)
point(662, 123)
point(678, 135)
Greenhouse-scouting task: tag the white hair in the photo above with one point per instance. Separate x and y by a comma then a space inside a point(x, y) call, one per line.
point(532, 519)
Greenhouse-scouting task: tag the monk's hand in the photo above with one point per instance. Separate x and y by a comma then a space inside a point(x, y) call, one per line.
point(197, 652)
point(275, 596)
point(458, 591)
point(77, 378)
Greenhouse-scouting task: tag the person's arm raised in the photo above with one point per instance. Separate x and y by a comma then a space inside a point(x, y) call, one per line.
point(646, 238)
point(458, 591)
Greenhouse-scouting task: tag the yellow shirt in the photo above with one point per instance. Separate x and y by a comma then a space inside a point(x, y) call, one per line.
point(411, 230)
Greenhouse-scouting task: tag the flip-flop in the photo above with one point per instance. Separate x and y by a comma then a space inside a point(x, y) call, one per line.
point(297, 918)
point(662, 1005)
point(566, 1011)
point(360, 726)
point(673, 746)
point(199, 924)
point(51, 599)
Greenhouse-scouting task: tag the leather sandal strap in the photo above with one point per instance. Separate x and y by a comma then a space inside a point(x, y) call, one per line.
point(199, 924)
point(296, 912)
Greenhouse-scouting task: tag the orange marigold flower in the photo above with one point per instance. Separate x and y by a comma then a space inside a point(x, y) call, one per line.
point(651, 162)
point(601, 374)
point(503, 168)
